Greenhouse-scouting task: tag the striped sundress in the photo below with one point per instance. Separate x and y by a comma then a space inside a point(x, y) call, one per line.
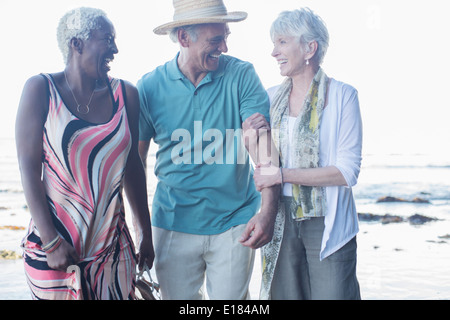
point(83, 169)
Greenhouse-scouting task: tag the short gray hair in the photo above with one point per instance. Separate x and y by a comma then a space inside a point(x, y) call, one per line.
point(306, 26)
point(77, 23)
point(191, 30)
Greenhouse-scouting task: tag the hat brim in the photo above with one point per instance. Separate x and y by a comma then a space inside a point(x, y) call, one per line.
point(230, 17)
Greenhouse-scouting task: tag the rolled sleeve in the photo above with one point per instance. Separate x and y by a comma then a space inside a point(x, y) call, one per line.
point(253, 96)
point(348, 158)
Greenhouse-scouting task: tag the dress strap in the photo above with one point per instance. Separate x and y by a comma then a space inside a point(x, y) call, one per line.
point(47, 85)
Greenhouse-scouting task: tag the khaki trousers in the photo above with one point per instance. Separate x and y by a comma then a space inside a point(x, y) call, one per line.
point(183, 262)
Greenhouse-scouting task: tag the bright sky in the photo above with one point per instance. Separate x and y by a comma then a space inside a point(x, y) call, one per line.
point(396, 53)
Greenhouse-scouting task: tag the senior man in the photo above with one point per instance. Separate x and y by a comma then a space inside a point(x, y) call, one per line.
point(196, 108)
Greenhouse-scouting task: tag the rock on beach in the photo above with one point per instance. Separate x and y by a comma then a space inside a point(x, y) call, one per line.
point(9, 255)
point(416, 219)
point(396, 199)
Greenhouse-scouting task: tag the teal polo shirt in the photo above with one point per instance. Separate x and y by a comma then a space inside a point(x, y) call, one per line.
point(205, 180)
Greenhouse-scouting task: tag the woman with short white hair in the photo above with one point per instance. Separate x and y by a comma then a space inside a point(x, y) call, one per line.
point(79, 129)
point(316, 127)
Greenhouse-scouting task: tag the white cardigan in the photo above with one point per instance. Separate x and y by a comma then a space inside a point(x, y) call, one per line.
point(340, 146)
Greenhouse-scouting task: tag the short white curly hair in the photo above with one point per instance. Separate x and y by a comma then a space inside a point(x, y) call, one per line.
point(306, 26)
point(77, 23)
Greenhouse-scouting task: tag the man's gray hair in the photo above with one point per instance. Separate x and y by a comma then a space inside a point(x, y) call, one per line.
point(191, 30)
point(77, 23)
point(305, 25)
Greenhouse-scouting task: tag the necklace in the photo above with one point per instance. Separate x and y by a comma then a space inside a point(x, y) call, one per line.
point(79, 106)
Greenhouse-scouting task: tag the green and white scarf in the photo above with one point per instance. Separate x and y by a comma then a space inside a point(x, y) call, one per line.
point(308, 201)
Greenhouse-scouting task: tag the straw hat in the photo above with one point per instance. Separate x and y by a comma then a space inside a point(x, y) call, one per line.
point(188, 12)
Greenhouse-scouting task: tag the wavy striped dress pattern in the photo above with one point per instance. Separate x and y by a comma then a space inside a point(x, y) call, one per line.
point(83, 169)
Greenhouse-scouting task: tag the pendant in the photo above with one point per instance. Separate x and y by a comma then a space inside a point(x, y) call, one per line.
point(83, 110)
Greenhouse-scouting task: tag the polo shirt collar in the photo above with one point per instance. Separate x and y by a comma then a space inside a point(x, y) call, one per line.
point(173, 71)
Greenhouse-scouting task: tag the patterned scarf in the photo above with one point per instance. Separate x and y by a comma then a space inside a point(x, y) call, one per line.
point(307, 201)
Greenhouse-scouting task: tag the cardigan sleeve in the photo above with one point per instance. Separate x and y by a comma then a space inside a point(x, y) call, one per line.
point(349, 143)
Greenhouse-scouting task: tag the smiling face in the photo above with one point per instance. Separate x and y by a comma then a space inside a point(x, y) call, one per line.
point(204, 53)
point(290, 55)
point(99, 50)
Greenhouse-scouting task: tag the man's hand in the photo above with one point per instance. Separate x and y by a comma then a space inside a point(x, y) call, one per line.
point(259, 231)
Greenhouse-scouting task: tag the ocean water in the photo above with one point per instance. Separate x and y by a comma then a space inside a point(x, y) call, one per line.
point(396, 261)
point(400, 260)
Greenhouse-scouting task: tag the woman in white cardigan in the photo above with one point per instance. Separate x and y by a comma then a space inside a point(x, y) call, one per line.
point(317, 129)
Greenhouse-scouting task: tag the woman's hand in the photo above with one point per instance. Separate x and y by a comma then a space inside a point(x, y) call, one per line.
point(267, 176)
point(63, 257)
point(146, 253)
point(253, 127)
point(256, 122)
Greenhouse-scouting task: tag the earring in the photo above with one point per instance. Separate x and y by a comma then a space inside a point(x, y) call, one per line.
point(307, 62)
